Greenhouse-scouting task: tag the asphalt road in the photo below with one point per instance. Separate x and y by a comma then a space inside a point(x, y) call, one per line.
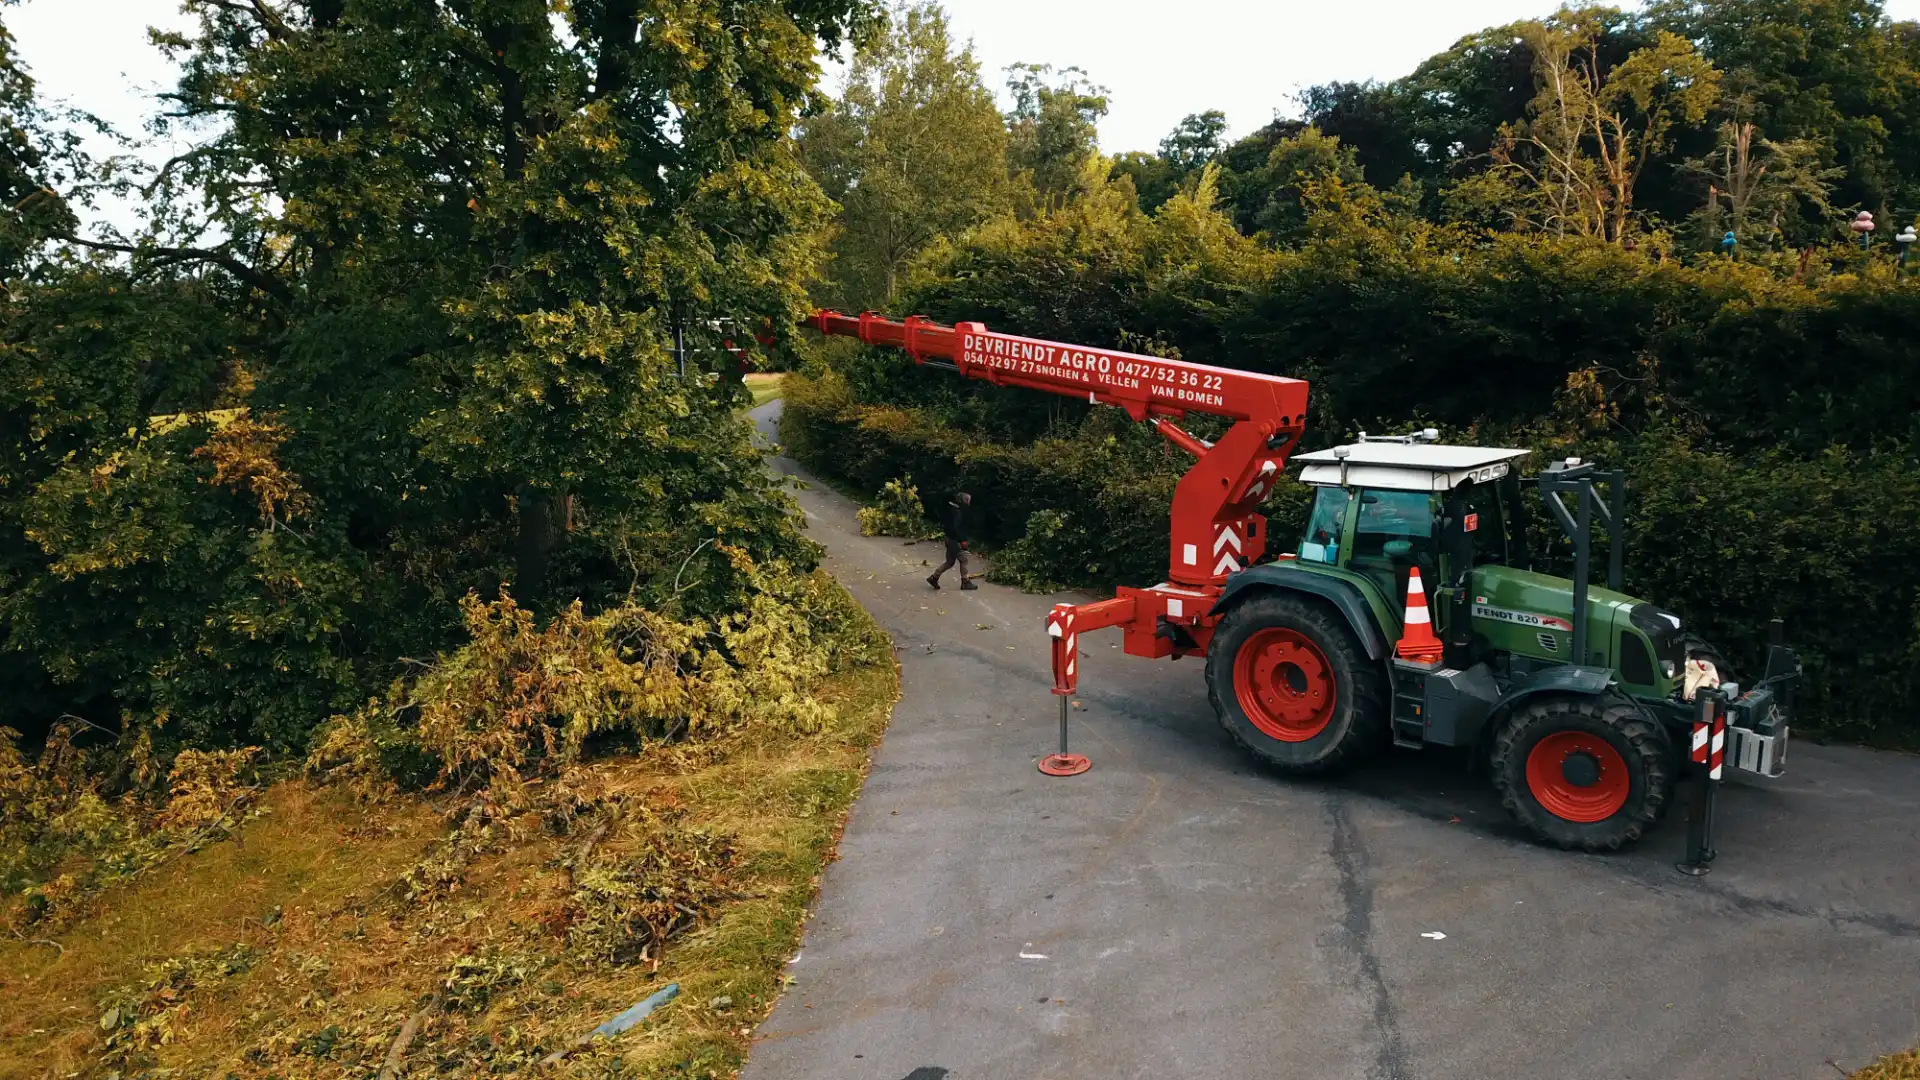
point(1179, 912)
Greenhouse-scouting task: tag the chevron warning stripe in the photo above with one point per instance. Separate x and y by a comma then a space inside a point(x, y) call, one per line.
point(1263, 483)
point(1229, 547)
point(1066, 653)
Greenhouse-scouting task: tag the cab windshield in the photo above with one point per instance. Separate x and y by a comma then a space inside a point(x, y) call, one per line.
point(1329, 517)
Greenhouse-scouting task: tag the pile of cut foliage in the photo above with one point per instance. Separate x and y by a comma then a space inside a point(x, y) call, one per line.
point(469, 873)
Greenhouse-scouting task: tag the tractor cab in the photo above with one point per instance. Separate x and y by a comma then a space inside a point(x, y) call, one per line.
point(1384, 505)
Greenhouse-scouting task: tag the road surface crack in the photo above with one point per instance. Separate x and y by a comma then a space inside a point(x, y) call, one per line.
point(1349, 856)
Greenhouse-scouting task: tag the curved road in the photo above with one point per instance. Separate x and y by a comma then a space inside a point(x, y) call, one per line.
point(1178, 912)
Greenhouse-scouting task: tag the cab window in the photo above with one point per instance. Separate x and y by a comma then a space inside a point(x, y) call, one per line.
point(1387, 516)
point(1393, 533)
point(1324, 524)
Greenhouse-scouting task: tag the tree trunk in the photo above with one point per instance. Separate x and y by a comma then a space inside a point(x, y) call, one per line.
point(540, 525)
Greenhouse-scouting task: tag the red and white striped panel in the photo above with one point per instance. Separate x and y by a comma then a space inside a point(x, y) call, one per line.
point(1065, 652)
point(1263, 482)
point(1718, 756)
point(1229, 548)
point(1710, 742)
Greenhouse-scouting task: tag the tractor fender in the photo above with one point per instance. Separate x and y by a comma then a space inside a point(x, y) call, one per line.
point(1344, 596)
point(1571, 679)
point(1564, 679)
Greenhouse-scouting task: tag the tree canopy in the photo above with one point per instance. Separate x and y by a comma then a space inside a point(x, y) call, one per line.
point(434, 304)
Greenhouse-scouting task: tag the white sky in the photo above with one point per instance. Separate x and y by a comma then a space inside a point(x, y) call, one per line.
point(1160, 61)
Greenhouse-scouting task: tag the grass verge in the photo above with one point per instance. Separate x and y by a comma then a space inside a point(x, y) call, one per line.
point(304, 946)
point(764, 385)
point(1892, 1067)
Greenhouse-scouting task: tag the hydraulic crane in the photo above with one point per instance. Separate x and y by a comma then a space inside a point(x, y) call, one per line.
point(1216, 529)
point(1585, 703)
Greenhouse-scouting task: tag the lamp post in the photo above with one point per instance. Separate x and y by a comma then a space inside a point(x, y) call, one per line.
point(1863, 228)
point(1905, 238)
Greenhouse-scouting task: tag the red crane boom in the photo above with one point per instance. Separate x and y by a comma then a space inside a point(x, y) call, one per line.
point(1215, 529)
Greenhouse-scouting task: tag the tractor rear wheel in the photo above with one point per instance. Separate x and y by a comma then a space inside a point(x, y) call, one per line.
point(1290, 682)
point(1583, 772)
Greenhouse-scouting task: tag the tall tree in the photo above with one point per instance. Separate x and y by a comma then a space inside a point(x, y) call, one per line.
point(38, 159)
point(1196, 142)
point(1592, 130)
point(447, 249)
point(1760, 189)
point(1293, 166)
point(913, 149)
point(1831, 71)
point(1053, 128)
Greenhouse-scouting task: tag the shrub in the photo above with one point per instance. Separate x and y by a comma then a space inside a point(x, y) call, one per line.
point(897, 511)
point(521, 697)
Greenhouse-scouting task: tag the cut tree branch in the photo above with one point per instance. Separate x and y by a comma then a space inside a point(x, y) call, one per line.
point(264, 16)
point(240, 270)
point(397, 1053)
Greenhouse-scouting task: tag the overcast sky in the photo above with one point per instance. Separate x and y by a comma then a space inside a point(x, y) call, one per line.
point(1161, 61)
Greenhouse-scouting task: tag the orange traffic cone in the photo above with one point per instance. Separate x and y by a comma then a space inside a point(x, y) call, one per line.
point(1416, 640)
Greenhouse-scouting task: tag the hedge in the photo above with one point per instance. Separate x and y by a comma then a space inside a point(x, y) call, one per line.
point(1830, 544)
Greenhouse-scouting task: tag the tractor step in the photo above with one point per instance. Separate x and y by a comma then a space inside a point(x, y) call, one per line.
point(1409, 736)
point(1409, 702)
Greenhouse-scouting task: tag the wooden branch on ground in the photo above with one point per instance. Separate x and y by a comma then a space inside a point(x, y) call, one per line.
point(586, 848)
point(397, 1053)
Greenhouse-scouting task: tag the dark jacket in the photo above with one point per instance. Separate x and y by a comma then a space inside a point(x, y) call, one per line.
point(954, 521)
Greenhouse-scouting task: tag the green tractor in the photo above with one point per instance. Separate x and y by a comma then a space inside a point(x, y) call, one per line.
point(1577, 698)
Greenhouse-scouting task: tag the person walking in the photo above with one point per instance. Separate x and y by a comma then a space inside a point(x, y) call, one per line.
point(954, 523)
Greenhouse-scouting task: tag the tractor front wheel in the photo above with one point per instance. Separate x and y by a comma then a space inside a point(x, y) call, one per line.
point(1290, 682)
point(1583, 772)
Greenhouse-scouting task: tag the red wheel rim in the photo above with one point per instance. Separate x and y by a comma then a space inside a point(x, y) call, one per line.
point(1284, 684)
point(1557, 766)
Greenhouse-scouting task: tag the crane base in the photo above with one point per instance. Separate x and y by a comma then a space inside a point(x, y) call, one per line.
point(1065, 764)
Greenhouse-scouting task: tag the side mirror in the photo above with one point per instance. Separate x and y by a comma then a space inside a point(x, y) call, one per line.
point(1398, 549)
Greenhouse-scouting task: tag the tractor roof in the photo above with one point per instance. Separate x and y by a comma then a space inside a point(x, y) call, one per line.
point(1405, 466)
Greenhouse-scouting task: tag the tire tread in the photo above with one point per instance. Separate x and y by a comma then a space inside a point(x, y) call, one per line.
point(1648, 742)
point(1368, 731)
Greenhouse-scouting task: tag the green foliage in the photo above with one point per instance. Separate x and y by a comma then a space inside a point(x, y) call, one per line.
point(1052, 546)
point(520, 700)
point(66, 833)
point(1051, 130)
point(897, 511)
point(1833, 72)
point(1117, 483)
point(446, 321)
point(36, 158)
point(1763, 191)
point(1197, 141)
point(1296, 164)
point(138, 1019)
point(913, 149)
point(624, 911)
point(1778, 535)
point(1576, 159)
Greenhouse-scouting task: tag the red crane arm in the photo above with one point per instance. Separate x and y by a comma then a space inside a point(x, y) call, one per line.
point(1216, 528)
point(1144, 386)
